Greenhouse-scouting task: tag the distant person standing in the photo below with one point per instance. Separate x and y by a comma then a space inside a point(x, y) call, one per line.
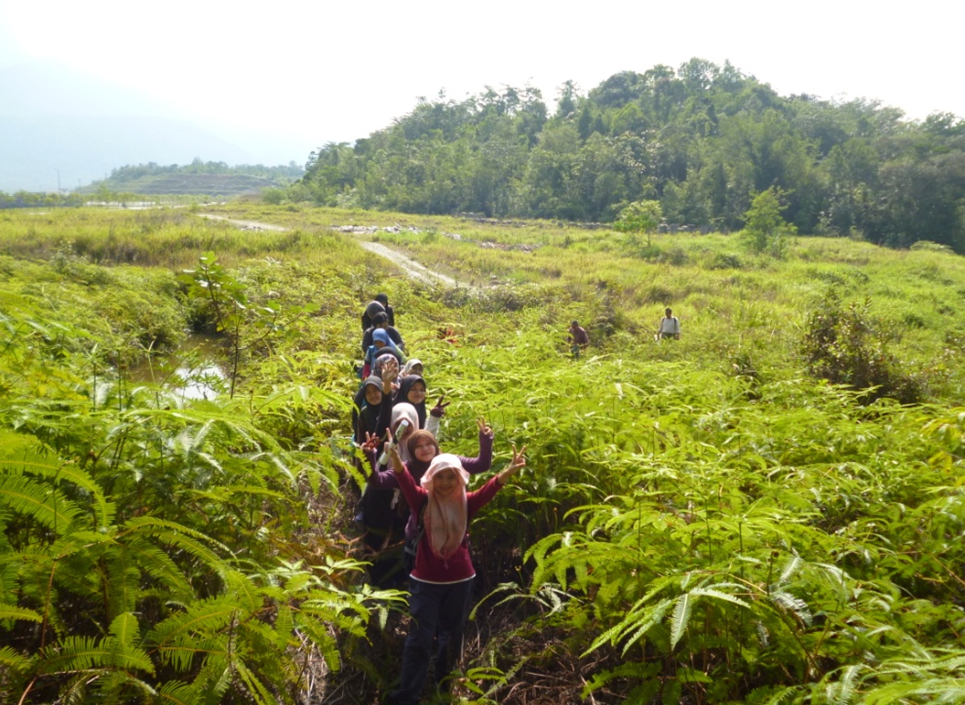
point(669, 326)
point(578, 339)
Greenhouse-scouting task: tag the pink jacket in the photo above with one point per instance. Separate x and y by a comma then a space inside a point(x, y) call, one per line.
point(458, 567)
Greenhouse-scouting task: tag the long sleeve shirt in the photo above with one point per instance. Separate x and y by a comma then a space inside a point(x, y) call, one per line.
point(383, 478)
point(458, 567)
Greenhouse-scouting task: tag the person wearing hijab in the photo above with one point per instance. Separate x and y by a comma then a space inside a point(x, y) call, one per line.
point(365, 410)
point(422, 447)
point(381, 345)
point(389, 311)
point(382, 321)
point(413, 367)
point(371, 309)
point(383, 510)
point(440, 583)
point(412, 390)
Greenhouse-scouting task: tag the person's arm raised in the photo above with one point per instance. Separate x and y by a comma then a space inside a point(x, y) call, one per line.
point(518, 461)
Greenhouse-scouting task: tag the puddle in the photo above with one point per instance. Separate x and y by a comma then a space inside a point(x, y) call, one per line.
point(192, 373)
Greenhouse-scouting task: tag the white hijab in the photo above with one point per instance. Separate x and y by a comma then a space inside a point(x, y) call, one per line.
point(446, 518)
point(404, 411)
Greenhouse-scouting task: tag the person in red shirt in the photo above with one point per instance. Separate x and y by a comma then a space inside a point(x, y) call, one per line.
point(440, 583)
point(578, 339)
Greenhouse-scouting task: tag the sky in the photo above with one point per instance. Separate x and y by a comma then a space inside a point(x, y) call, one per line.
point(314, 72)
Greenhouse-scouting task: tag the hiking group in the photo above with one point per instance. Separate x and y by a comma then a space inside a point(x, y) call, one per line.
point(416, 506)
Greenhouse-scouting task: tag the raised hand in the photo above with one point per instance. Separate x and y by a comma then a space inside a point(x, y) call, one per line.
point(518, 461)
point(371, 442)
point(439, 409)
point(390, 372)
point(483, 427)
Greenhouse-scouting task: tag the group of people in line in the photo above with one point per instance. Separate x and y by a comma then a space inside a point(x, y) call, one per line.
point(415, 507)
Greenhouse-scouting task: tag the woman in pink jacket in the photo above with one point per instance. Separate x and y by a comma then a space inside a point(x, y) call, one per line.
point(440, 584)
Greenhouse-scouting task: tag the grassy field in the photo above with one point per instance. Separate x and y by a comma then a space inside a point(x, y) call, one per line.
point(701, 521)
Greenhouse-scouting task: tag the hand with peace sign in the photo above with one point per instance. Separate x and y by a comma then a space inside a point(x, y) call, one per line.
point(515, 464)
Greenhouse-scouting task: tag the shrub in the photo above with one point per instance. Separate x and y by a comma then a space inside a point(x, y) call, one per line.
point(273, 196)
point(847, 345)
point(726, 260)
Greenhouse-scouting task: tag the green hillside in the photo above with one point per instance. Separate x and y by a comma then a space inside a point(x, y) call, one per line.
point(768, 510)
point(701, 139)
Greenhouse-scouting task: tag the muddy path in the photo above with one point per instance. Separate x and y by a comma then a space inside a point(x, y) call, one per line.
point(413, 269)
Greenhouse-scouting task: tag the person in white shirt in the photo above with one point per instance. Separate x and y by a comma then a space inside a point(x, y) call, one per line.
point(669, 326)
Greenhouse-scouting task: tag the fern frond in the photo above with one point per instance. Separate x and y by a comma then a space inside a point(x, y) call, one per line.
point(47, 506)
point(794, 605)
point(320, 636)
point(843, 691)
point(655, 617)
point(14, 660)
point(125, 628)
point(680, 619)
point(85, 653)
point(177, 693)
point(63, 472)
point(241, 587)
point(719, 595)
point(639, 619)
point(19, 613)
point(159, 566)
point(188, 539)
point(790, 569)
point(123, 582)
point(253, 684)
point(284, 625)
point(182, 635)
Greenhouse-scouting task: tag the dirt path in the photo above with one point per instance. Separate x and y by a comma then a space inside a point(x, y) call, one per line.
point(408, 265)
point(246, 224)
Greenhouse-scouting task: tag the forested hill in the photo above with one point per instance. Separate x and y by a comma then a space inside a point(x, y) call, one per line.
point(208, 178)
point(702, 140)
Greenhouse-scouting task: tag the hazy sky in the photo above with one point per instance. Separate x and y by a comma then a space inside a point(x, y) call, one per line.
point(327, 71)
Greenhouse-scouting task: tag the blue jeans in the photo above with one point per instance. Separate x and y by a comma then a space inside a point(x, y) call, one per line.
point(439, 613)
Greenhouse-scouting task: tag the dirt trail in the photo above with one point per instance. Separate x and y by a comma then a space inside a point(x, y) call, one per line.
point(408, 265)
point(246, 224)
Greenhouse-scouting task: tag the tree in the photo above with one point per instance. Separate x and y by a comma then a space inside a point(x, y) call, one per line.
point(640, 217)
point(765, 229)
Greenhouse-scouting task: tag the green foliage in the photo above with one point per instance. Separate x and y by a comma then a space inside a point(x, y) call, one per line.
point(765, 230)
point(698, 522)
point(273, 196)
point(849, 346)
point(639, 217)
point(224, 298)
point(702, 139)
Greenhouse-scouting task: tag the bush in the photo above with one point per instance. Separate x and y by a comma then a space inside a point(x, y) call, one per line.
point(273, 196)
point(726, 260)
point(847, 345)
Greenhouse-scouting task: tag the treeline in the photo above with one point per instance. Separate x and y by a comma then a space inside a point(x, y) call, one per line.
point(127, 174)
point(30, 199)
point(703, 140)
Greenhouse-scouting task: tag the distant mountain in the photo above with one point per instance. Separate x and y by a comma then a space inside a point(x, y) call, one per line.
point(53, 118)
